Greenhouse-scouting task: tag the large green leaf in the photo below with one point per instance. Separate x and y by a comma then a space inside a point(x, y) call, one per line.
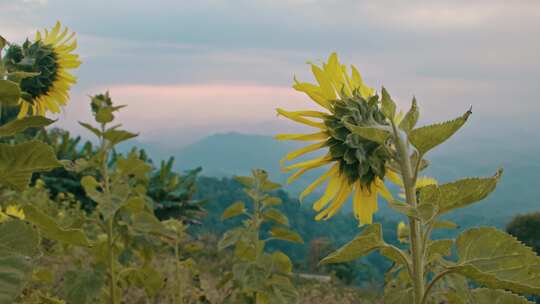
point(497, 260)
point(233, 210)
point(486, 296)
point(50, 229)
point(18, 125)
point(82, 287)
point(428, 137)
point(368, 240)
point(285, 235)
point(15, 271)
point(272, 214)
point(10, 93)
point(18, 162)
point(458, 194)
point(18, 238)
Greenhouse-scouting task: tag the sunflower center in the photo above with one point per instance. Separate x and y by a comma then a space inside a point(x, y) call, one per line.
point(359, 159)
point(34, 58)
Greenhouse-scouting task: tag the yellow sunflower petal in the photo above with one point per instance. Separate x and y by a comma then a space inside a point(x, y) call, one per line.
point(331, 190)
point(393, 177)
point(307, 149)
point(23, 109)
point(15, 212)
point(318, 181)
point(327, 89)
point(309, 164)
point(314, 92)
point(383, 191)
point(337, 202)
point(295, 116)
point(367, 206)
point(304, 137)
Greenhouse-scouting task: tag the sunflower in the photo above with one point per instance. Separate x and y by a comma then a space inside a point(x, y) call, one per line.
point(357, 165)
point(46, 63)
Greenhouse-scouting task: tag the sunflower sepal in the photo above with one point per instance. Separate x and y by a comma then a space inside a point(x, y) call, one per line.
point(388, 106)
point(411, 117)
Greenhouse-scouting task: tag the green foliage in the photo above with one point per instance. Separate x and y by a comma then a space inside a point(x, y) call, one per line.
point(525, 228)
point(258, 276)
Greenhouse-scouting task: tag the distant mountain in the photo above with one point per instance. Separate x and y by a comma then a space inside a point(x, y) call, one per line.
point(518, 192)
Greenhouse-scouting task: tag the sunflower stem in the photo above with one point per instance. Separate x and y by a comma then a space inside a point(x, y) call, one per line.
point(110, 221)
point(415, 225)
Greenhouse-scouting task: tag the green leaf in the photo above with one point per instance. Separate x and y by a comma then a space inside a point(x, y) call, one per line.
point(18, 238)
point(368, 240)
point(10, 93)
point(438, 249)
point(428, 137)
point(487, 296)
point(3, 42)
point(286, 235)
point(275, 215)
point(282, 263)
point(18, 125)
point(233, 210)
point(376, 134)
point(90, 186)
point(18, 162)
point(388, 106)
point(445, 225)
point(246, 181)
point(270, 186)
point(15, 272)
point(118, 136)
point(104, 115)
point(149, 223)
point(458, 194)
point(133, 166)
point(231, 237)
point(411, 118)
point(92, 129)
point(50, 229)
point(272, 201)
point(82, 286)
point(497, 260)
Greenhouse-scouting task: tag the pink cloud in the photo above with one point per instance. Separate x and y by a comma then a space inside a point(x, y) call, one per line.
point(198, 109)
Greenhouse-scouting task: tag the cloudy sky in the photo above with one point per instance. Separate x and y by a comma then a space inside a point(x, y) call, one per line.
point(189, 68)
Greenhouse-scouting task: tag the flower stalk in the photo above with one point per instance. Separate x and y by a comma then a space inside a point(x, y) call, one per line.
point(415, 224)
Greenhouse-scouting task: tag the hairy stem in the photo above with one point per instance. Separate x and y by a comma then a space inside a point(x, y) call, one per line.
point(432, 284)
point(416, 234)
point(110, 221)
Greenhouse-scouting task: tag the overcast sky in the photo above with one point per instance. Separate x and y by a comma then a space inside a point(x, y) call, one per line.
point(189, 68)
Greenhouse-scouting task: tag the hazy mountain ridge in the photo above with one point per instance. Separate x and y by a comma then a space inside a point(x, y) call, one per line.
point(227, 154)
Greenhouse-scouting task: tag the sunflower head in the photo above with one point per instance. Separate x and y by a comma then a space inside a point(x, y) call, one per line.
point(359, 159)
point(42, 69)
point(358, 166)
